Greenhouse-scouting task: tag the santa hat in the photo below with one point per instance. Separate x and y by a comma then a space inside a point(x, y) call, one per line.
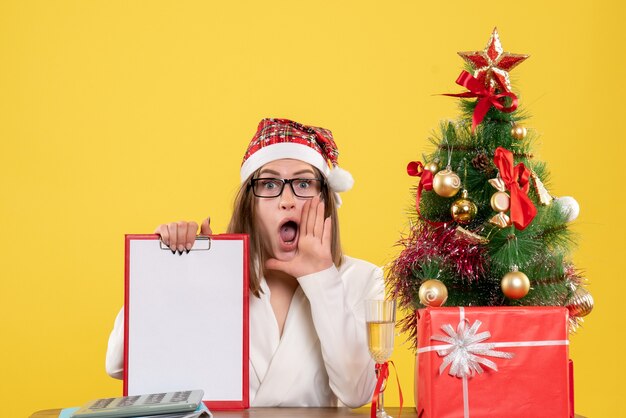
point(276, 139)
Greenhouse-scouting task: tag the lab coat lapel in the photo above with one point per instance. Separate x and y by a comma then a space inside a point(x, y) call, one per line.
point(263, 332)
point(282, 372)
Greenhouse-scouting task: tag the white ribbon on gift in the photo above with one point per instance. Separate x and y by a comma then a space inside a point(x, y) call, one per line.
point(465, 348)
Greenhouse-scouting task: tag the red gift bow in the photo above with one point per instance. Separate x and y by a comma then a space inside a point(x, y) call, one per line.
point(487, 97)
point(382, 370)
point(516, 180)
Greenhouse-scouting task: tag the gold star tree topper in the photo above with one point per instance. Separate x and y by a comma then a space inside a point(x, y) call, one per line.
point(492, 64)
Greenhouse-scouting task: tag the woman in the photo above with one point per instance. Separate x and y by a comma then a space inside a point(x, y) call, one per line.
point(307, 333)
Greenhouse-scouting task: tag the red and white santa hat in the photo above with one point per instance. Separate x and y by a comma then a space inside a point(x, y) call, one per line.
point(276, 139)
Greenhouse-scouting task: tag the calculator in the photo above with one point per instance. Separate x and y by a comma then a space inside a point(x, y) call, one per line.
point(141, 405)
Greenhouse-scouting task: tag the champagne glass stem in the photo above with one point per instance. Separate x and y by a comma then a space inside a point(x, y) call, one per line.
point(380, 318)
point(380, 407)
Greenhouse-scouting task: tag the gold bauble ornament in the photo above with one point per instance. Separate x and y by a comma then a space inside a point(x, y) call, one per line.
point(580, 303)
point(518, 132)
point(433, 293)
point(432, 166)
point(446, 183)
point(515, 284)
point(463, 210)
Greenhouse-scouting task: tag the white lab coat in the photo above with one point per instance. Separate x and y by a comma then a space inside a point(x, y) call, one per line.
point(322, 356)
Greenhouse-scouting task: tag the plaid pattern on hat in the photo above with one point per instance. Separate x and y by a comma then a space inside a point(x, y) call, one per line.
point(276, 131)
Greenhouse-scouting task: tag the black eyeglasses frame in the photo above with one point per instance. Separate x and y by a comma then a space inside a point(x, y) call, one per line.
point(253, 182)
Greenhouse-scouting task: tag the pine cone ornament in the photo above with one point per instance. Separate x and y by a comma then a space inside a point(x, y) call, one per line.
point(483, 163)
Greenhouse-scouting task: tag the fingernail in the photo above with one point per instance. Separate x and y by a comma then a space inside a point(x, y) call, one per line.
point(188, 246)
point(187, 251)
point(173, 251)
point(180, 253)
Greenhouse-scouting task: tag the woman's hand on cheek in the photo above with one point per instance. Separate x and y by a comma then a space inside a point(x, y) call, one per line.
point(314, 243)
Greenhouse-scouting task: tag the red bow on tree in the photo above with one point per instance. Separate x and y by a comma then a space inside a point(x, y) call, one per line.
point(516, 180)
point(416, 169)
point(487, 97)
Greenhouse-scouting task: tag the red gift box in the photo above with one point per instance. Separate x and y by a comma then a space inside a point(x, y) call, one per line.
point(493, 362)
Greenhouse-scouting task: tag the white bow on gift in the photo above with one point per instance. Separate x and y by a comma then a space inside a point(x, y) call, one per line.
point(465, 350)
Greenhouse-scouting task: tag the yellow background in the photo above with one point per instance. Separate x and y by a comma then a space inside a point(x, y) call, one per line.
point(116, 116)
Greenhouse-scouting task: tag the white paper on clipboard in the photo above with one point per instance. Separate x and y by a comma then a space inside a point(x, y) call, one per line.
point(187, 319)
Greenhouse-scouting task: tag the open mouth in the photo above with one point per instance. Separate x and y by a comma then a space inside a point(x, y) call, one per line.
point(288, 232)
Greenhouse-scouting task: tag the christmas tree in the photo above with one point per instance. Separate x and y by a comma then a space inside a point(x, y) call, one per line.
point(485, 231)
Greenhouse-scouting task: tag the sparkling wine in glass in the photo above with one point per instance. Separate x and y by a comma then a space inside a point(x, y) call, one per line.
point(380, 317)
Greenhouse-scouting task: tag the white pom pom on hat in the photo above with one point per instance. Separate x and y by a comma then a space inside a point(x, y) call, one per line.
point(282, 138)
point(340, 180)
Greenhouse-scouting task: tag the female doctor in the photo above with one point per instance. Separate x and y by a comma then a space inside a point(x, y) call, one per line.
point(307, 331)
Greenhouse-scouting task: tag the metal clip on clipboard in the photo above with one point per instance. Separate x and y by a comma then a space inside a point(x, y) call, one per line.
point(203, 238)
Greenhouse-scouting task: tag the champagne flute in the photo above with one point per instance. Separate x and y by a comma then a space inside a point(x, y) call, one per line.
point(380, 317)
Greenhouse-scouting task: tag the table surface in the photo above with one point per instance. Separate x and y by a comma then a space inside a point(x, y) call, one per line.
point(276, 413)
point(281, 412)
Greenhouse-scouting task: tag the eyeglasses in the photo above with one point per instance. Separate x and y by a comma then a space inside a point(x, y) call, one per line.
point(270, 187)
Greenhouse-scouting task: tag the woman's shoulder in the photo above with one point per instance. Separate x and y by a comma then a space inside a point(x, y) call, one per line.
point(362, 279)
point(356, 266)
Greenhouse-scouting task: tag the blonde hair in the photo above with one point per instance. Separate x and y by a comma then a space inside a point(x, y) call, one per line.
point(243, 221)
